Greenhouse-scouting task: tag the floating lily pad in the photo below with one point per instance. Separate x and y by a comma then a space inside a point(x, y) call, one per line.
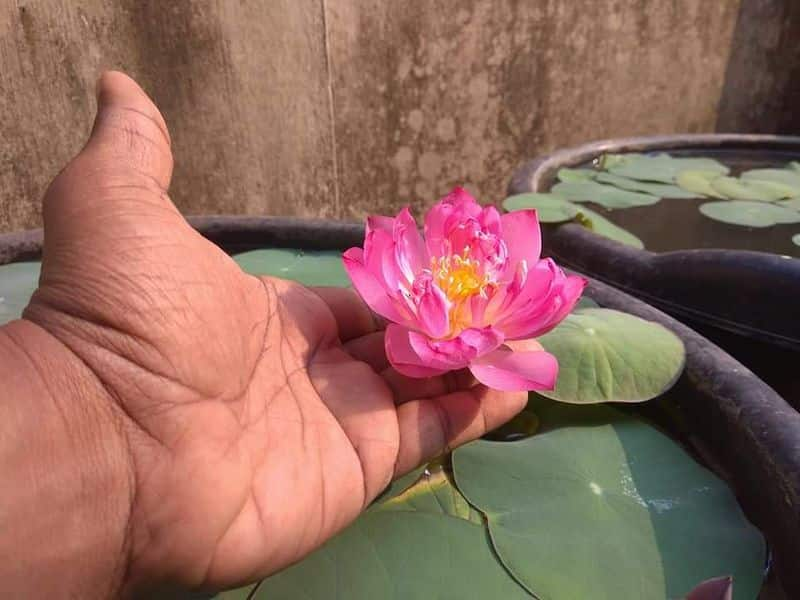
point(398, 555)
point(792, 203)
point(607, 161)
point(787, 177)
point(306, 267)
point(661, 190)
point(605, 195)
point(699, 182)
point(749, 214)
point(18, 281)
point(603, 506)
point(740, 189)
point(609, 356)
point(775, 189)
point(576, 174)
point(433, 493)
point(602, 226)
point(398, 486)
point(550, 208)
point(661, 167)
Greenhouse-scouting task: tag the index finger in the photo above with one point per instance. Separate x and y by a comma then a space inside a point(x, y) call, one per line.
point(354, 319)
point(429, 427)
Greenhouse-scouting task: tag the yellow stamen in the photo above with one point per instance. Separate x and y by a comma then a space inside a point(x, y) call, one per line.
point(458, 276)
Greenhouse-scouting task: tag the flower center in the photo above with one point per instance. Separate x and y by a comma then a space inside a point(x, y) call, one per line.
point(458, 276)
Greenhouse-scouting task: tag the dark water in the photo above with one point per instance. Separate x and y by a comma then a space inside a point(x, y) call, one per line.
point(677, 224)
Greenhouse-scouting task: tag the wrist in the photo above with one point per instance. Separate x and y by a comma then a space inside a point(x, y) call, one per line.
point(65, 511)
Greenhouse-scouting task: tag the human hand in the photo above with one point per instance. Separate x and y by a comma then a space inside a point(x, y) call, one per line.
point(257, 417)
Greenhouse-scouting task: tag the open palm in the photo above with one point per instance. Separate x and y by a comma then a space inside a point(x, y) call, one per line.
point(259, 417)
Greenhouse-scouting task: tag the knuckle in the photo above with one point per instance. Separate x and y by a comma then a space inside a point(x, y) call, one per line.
point(135, 126)
point(137, 142)
point(445, 426)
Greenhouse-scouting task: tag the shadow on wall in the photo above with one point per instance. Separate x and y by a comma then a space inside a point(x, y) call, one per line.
point(762, 82)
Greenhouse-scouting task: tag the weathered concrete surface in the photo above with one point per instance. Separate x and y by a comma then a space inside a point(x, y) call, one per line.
point(243, 87)
point(431, 94)
point(338, 108)
point(762, 84)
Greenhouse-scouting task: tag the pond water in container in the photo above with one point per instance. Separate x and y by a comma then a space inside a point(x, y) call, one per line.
point(686, 199)
point(574, 499)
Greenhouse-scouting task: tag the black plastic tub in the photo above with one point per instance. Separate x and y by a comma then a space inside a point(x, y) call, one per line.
point(745, 301)
point(723, 413)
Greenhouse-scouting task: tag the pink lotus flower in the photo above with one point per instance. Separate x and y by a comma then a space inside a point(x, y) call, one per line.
point(458, 296)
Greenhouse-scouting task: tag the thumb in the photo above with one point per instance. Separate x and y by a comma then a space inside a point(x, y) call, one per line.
point(129, 129)
point(126, 160)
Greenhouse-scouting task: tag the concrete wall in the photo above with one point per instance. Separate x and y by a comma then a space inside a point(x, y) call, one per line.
point(762, 84)
point(337, 108)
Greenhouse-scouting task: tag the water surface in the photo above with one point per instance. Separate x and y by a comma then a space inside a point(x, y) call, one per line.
point(677, 224)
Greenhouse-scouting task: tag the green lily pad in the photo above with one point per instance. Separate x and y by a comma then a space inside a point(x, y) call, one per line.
point(699, 182)
point(787, 177)
point(605, 195)
point(774, 189)
point(662, 190)
point(433, 493)
point(608, 161)
point(740, 189)
point(398, 555)
point(322, 268)
point(609, 356)
point(662, 167)
point(749, 214)
point(796, 239)
point(602, 226)
point(603, 506)
point(792, 203)
point(398, 486)
point(550, 208)
point(18, 281)
point(576, 174)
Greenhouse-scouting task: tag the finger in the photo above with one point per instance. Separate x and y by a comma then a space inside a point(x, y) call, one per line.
point(433, 426)
point(369, 349)
point(410, 388)
point(129, 128)
point(125, 166)
point(367, 417)
point(354, 318)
